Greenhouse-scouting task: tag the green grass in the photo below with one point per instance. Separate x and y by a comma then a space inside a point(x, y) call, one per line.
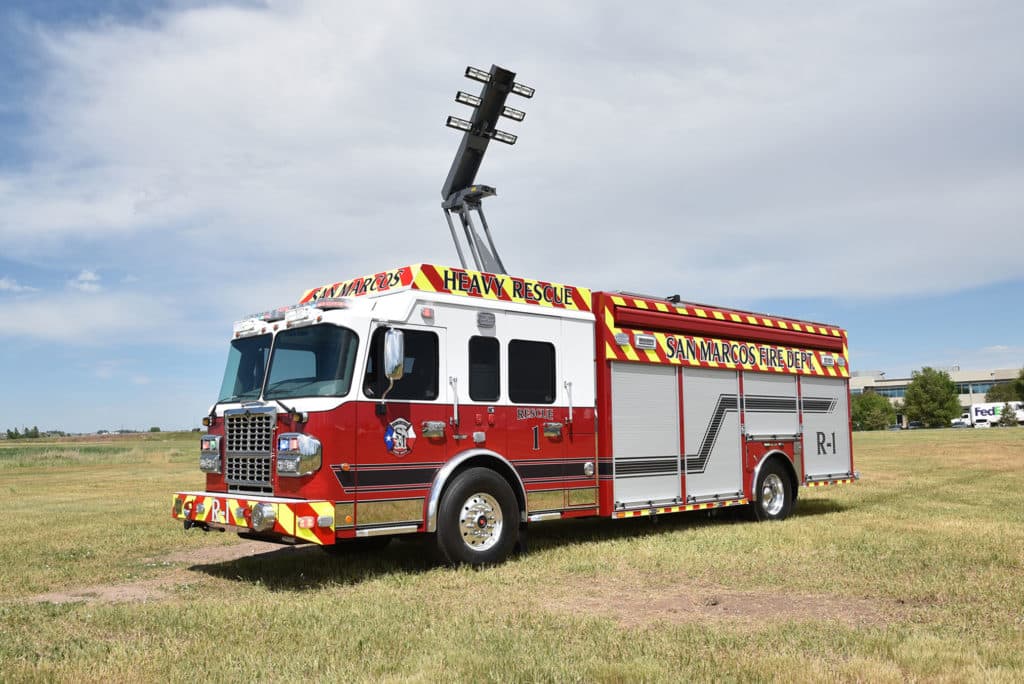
point(916, 572)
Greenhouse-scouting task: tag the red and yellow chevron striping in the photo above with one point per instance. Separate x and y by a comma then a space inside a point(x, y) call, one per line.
point(678, 509)
point(622, 343)
point(825, 483)
point(299, 519)
point(725, 315)
point(462, 282)
point(503, 288)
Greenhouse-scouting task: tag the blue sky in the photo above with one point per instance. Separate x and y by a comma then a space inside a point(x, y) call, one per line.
point(167, 167)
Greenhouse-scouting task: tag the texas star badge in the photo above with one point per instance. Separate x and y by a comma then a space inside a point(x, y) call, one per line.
point(399, 437)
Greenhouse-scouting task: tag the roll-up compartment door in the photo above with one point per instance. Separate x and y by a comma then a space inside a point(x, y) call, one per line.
point(825, 405)
point(714, 467)
point(645, 434)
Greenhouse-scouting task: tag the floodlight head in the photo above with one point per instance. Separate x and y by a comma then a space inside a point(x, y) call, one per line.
point(478, 74)
point(514, 114)
point(460, 124)
point(467, 99)
point(523, 91)
point(502, 136)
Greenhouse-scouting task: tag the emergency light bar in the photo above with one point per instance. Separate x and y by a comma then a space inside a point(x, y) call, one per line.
point(247, 327)
point(298, 315)
point(330, 303)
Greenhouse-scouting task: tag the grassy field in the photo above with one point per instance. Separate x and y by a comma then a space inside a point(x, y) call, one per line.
point(916, 572)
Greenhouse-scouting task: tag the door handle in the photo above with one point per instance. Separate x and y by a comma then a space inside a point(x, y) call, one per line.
point(432, 429)
point(552, 429)
point(454, 382)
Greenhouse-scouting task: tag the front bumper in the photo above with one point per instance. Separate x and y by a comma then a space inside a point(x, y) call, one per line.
point(305, 521)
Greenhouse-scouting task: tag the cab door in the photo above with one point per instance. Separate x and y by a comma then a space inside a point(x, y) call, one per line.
point(537, 420)
point(401, 436)
point(478, 392)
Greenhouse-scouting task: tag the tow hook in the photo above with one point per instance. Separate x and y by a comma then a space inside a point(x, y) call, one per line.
point(189, 524)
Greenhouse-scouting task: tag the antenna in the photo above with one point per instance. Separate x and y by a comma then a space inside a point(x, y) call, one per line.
point(461, 195)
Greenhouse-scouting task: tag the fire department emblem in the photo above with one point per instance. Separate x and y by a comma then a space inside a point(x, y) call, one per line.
point(399, 437)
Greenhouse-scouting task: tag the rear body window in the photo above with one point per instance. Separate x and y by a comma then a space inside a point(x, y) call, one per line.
point(531, 372)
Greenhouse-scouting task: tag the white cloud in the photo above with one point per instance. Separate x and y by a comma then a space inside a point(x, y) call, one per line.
point(105, 370)
point(85, 281)
point(11, 285)
point(719, 152)
point(96, 319)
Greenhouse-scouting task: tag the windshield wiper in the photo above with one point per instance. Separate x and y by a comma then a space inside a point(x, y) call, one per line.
point(292, 413)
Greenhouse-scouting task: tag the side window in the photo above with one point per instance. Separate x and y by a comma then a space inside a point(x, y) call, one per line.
point(419, 378)
point(531, 372)
point(483, 369)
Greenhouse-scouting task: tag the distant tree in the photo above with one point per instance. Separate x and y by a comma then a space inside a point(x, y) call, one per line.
point(1004, 391)
point(1008, 416)
point(931, 398)
point(871, 411)
point(13, 434)
point(1019, 384)
point(33, 433)
point(154, 429)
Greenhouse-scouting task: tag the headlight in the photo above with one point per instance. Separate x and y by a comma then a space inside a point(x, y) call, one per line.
point(298, 454)
point(209, 454)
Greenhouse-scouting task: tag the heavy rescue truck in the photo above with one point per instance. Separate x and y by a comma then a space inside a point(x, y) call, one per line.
point(470, 404)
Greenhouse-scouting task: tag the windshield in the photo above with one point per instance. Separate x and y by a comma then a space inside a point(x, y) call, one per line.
point(315, 361)
point(247, 364)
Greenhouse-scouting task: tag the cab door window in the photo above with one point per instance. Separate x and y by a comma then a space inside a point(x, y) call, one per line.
point(420, 371)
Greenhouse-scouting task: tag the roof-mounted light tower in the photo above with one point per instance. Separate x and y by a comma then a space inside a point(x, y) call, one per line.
point(460, 194)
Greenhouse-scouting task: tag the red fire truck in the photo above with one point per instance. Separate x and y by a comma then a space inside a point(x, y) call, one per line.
point(469, 404)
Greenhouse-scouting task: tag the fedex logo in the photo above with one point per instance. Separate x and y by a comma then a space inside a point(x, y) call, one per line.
point(981, 411)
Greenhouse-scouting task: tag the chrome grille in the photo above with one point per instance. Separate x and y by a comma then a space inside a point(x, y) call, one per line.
point(248, 472)
point(249, 433)
point(248, 437)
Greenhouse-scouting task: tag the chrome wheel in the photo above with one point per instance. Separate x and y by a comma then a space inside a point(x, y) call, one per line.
point(480, 521)
point(773, 494)
point(477, 521)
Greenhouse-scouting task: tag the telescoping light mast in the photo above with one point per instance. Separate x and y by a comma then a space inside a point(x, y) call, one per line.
point(461, 194)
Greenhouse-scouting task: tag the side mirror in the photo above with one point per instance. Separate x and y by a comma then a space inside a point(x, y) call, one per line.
point(394, 354)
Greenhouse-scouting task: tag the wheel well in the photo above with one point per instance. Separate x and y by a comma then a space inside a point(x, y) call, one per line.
point(787, 466)
point(497, 465)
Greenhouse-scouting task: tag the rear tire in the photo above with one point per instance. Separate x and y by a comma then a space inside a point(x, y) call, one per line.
point(774, 490)
point(478, 520)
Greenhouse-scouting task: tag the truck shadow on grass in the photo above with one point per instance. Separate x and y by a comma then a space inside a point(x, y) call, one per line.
point(304, 568)
point(590, 530)
point(307, 567)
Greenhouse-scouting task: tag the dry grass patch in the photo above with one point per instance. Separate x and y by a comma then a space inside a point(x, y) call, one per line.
point(638, 600)
point(916, 572)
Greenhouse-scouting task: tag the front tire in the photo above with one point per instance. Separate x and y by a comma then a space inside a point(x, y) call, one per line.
point(478, 520)
point(775, 496)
